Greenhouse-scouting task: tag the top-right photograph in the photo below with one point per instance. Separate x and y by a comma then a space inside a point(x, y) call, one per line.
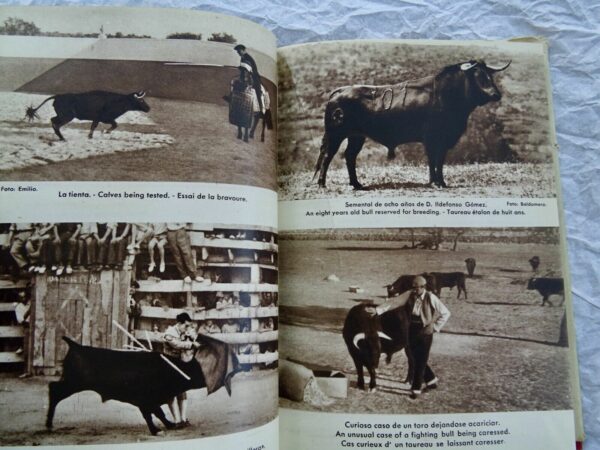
point(414, 118)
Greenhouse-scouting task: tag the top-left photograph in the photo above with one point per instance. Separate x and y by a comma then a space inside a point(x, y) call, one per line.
point(127, 94)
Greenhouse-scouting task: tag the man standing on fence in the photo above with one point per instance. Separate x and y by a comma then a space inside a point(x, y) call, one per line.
point(179, 343)
point(181, 247)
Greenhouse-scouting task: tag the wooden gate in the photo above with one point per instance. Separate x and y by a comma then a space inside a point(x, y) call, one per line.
point(82, 306)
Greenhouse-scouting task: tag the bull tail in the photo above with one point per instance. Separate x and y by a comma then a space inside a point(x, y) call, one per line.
point(31, 112)
point(323, 151)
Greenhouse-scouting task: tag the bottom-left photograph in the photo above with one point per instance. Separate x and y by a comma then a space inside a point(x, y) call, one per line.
point(118, 332)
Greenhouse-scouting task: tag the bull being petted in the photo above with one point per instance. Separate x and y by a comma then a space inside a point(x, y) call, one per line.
point(433, 110)
point(97, 106)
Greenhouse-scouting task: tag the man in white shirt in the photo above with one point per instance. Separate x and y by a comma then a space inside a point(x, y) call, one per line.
point(427, 314)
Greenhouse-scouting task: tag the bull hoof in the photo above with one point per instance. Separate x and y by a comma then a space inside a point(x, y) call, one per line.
point(159, 433)
point(373, 389)
point(358, 187)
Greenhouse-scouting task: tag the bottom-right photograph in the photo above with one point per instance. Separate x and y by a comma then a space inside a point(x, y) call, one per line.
point(440, 320)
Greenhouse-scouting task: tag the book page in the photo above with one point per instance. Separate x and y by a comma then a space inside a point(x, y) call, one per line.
point(425, 292)
point(119, 325)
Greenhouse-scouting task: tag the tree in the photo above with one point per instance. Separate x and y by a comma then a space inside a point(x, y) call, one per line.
point(14, 26)
point(222, 37)
point(185, 35)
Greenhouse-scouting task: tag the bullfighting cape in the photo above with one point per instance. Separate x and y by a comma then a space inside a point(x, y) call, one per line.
point(217, 362)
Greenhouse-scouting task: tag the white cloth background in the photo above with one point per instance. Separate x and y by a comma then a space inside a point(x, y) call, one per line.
point(572, 30)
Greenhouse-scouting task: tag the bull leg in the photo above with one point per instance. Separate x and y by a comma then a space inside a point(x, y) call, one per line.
point(262, 131)
point(57, 391)
point(545, 300)
point(329, 147)
point(92, 128)
point(245, 134)
point(158, 412)
point(239, 135)
point(359, 372)
point(355, 144)
point(57, 122)
point(148, 418)
point(439, 169)
point(113, 125)
point(373, 376)
point(391, 153)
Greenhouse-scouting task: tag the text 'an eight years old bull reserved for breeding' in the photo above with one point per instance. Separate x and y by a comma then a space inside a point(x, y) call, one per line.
point(97, 106)
point(143, 379)
point(433, 110)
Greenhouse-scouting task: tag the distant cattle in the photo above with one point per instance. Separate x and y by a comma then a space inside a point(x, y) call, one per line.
point(534, 261)
point(368, 336)
point(142, 379)
point(470, 263)
point(97, 106)
point(547, 287)
point(432, 110)
point(449, 280)
point(405, 283)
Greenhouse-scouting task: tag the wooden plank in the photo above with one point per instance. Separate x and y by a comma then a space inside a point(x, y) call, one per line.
point(228, 226)
point(14, 331)
point(229, 338)
point(11, 357)
point(124, 284)
point(266, 358)
point(235, 265)
point(180, 286)
point(155, 312)
point(7, 307)
point(115, 280)
point(9, 284)
point(41, 292)
point(239, 244)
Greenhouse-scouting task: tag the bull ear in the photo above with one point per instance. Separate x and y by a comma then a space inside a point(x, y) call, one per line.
point(498, 68)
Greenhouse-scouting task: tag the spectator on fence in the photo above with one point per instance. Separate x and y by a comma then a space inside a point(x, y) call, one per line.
point(266, 325)
point(140, 232)
point(22, 314)
point(65, 246)
point(177, 341)
point(157, 241)
point(118, 244)
point(212, 327)
point(105, 231)
point(230, 326)
point(17, 238)
point(87, 242)
point(38, 247)
point(181, 247)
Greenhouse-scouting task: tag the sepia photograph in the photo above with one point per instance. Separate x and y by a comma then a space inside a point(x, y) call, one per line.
point(120, 94)
point(119, 332)
point(415, 321)
point(410, 118)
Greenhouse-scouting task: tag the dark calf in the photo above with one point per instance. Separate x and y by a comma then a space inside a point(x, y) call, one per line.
point(449, 280)
point(547, 287)
point(470, 263)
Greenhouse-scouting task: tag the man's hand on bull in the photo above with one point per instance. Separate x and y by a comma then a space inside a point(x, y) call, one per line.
point(196, 345)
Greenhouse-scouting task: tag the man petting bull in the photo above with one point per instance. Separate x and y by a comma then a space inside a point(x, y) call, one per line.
point(427, 314)
point(180, 342)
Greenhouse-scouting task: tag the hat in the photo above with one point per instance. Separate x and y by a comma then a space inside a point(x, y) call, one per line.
point(245, 66)
point(183, 317)
point(239, 47)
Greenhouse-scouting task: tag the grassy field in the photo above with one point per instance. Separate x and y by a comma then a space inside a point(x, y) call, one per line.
point(497, 352)
point(198, 145)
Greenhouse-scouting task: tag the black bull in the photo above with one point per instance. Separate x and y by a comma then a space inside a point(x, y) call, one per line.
point(367, 337)
point(97, 106)
point(143, 379)
point(433, 110)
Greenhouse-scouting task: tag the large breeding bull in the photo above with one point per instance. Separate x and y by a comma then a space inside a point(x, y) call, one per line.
point(143, 379)
point(433, 110)
point(97, 106)
point(368, 336)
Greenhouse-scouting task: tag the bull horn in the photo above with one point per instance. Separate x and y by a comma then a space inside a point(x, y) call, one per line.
point(357, 338)
point(498, 69)
point(382, 335)
point(140, 94)
point(466, 66)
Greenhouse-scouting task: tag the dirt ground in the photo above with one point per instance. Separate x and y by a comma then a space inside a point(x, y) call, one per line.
point(498, 351)
point(84, 419)
point(199, 146)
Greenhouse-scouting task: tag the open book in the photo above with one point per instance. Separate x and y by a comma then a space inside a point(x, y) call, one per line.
point(369, 249)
